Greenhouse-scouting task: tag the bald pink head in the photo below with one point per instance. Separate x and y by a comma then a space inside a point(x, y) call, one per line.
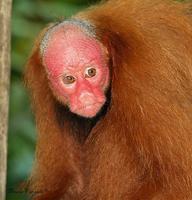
point(76, 64)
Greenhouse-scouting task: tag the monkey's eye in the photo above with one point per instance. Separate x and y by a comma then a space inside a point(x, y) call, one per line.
point(68, 79)
point(90, 72)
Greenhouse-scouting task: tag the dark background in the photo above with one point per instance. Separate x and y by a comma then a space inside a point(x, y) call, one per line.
point(28, 18)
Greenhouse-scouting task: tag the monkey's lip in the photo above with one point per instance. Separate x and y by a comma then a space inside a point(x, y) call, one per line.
point(89, 106)
point(89, 110)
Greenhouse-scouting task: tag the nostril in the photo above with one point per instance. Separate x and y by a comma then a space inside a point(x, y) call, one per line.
point(87, 98)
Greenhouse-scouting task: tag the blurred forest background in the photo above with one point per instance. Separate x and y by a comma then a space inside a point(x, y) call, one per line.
point(28, 18)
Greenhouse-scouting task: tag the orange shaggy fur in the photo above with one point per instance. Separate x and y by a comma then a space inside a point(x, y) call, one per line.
point(142, 148)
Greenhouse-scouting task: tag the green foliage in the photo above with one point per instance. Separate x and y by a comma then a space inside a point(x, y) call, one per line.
point(28, 18)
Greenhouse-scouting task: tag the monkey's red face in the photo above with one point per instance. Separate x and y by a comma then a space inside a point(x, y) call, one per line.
point(77, 69)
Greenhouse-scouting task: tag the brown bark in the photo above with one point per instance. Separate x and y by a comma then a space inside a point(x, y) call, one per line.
point(5, 13)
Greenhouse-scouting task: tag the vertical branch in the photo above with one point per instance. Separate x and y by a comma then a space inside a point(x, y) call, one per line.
point(5, 13)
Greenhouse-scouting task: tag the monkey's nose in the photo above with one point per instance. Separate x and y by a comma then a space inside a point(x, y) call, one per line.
point(87, 98)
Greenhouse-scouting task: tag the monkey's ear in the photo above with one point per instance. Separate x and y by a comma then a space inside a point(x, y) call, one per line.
point(115, 47)
point(35, 78)
point(34, 70)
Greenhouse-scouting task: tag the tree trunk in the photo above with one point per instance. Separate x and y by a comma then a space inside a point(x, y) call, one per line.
point(5, 13)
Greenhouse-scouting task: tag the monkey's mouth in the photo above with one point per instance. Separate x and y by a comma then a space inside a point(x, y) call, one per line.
point(89, 110)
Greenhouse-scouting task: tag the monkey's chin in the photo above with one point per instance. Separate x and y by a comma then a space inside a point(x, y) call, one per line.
point(89, 111)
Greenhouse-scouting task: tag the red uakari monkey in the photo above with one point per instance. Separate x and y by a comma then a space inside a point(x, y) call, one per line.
point(112, 94)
